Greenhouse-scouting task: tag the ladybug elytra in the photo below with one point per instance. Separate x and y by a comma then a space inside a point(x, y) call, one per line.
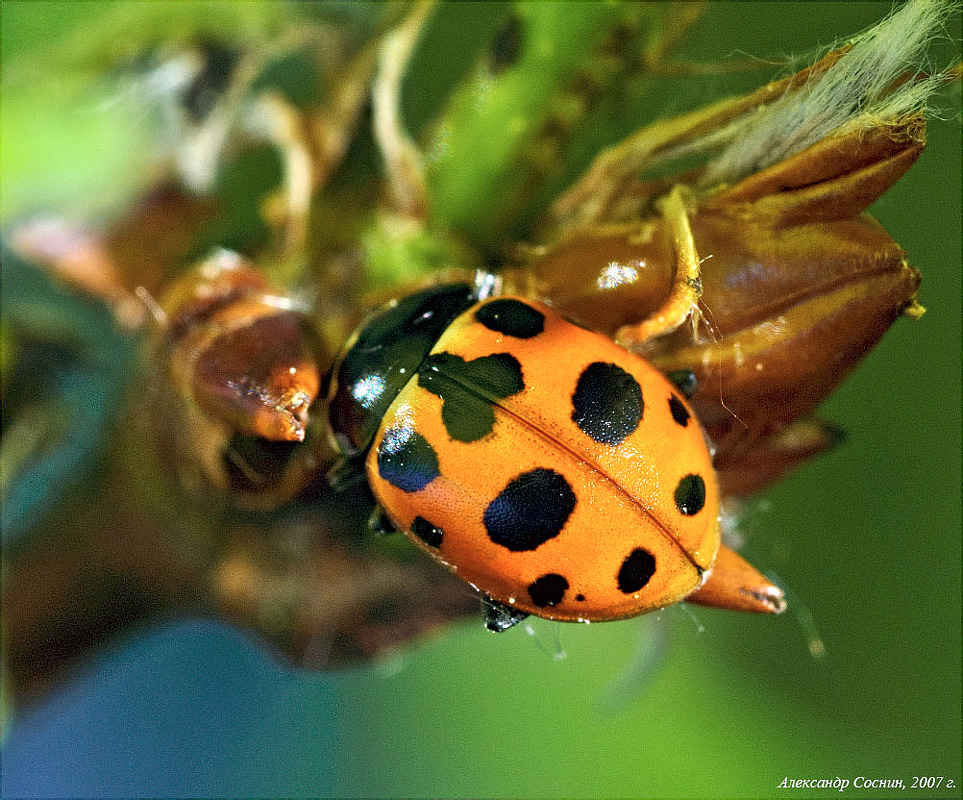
point(548, 467)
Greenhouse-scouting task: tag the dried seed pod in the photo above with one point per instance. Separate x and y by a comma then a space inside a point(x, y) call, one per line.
point(239, 347)
point(774, 455)
point(604, 277)
point(735, 584)
point(243, 368)
point(773, 358)
point(324, 599)
point(106, 260)
point(797, 286)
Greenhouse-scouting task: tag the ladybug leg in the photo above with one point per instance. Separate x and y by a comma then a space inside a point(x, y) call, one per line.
point(380, 523)
point(345, 473)
point(683, 301)
point(735, 584)
point(500, 617)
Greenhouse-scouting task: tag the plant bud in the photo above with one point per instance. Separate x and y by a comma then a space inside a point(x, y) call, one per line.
point(798, 284)
point(241, 350)
point(235, 369)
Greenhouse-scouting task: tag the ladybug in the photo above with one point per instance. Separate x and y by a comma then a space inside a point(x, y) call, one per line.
point(550, 468)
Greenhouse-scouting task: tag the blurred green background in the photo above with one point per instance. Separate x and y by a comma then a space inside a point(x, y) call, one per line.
point(687, 703)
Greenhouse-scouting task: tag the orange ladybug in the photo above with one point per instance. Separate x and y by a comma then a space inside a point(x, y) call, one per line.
point(553, 470)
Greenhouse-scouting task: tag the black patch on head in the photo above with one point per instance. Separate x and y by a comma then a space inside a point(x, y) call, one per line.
point(607, 404)
point(548, 590)
point(430, 534)
point(685, 381)
point(506, 47)
point(532, 509)
point(690, 495)
point(406, 460)
point(469, 388)
point(511, 317)
point(679, 412)
point(383, 358)
point(636, 571)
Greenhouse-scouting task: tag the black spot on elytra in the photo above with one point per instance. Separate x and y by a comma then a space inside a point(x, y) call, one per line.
point(430, 534)
point(469, 388)
point(532, 509)
point(548, 590)
point(607, 404)
point(580, 597)
point(679, 412)
point(636, 571)
point(406, 459)
point(690, 495)
point(511, 317)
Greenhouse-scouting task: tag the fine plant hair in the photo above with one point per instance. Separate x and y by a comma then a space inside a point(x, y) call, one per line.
point(879, 80)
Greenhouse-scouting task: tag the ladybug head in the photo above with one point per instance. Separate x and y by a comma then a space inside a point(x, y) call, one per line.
point(381, 357)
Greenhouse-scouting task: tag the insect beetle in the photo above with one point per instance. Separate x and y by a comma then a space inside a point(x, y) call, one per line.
point(547, 466)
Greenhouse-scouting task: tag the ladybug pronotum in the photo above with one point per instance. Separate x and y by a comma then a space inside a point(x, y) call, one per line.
point(553, 470)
